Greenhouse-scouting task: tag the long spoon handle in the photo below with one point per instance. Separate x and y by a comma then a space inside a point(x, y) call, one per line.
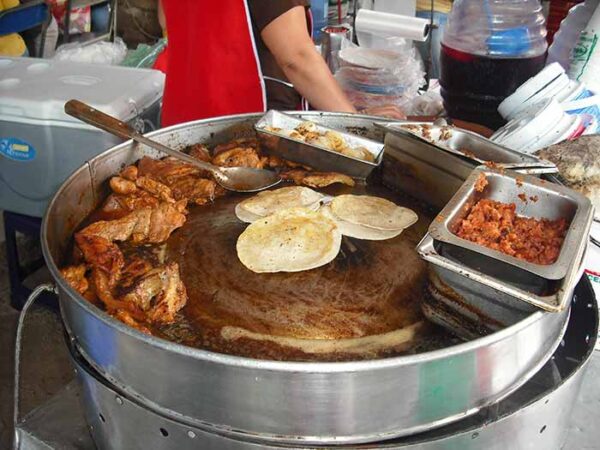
point(119, 128)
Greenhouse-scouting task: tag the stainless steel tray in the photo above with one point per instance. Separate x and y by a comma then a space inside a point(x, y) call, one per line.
point(470, 146)
point(540, 199)
point(317, 157)
point(501, 283)
point(424, 172)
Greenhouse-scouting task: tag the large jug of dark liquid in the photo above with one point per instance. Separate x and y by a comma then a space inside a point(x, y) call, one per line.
point(489, 48)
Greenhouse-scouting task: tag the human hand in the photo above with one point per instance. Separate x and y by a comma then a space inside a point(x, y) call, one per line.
point(389, 111)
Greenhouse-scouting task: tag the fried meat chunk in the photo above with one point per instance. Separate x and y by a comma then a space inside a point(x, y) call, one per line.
point(166, 170)
point(129, 173)
point(240, 157)
point(122, 186)
point(75, 276)
point(200, 152)
point(184, 180)
point(155, 188)
point(159, 293)
point(125, 317)
point(236, 143)
point(197, 190)
point(316, 179)
point(142, 226)
point(120, 205)
point(277, 162)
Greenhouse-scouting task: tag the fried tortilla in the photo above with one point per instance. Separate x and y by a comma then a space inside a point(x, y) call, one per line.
point(291, 240)
point(266, 203)
point(360, 231)
point(372, 212)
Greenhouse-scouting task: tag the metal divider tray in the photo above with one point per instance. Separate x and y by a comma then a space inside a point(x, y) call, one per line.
point(468, 146)
point(317, 157)
point(533, 198)
point(500, 283)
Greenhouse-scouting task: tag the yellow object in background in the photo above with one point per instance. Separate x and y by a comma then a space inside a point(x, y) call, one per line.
point(11, 44)
point(442, 6)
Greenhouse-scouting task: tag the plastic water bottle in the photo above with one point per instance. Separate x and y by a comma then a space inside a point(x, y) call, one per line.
point(489, 48)
point(568, 33)
point(559, 9)
point(319, 10)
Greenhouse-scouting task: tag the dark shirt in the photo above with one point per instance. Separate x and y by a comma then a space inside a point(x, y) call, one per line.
point(262, 13)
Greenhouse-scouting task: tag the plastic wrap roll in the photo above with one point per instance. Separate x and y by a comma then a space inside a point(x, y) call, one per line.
point(385, 24)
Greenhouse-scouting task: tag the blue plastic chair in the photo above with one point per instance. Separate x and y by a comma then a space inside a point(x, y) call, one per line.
point(25, 17)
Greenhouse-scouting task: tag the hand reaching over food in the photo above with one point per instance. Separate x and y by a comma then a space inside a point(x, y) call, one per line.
point(389, 111)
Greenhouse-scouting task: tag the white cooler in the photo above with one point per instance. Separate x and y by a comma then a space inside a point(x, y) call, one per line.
point(40, 146)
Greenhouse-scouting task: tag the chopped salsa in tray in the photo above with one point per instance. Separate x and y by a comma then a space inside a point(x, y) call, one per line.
point(496, 225)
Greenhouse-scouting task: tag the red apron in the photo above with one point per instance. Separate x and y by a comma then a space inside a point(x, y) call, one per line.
point(212, 65)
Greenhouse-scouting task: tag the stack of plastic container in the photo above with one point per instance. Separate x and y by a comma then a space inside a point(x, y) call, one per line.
point(547, 109)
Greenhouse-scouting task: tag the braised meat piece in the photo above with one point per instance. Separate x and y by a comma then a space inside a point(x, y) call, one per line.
point(159, 293)
point(200, 152)
point(198, 190)
point(117, 206)
point(122, 186)
point(277, 162)
point(155, 188)
point(183, 180)
point(147, 225)
point(316, 179)
point(127, 319)
point(75, 276)
point(242, 142)
point(240, 157)
point(166, 170)
point(129, 173)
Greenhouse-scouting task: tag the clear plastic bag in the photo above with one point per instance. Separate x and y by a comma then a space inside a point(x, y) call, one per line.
point(106, 53)
point(390, 74)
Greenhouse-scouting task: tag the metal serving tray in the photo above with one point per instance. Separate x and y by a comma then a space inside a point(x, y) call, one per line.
point(317, 157)
point(470, 146)
point(539, 198)
point(480, 292)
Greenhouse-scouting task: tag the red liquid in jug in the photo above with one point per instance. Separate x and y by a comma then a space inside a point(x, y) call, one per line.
point(473, 86)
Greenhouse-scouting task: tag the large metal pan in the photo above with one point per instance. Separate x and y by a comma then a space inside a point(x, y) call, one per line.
point(293, 402)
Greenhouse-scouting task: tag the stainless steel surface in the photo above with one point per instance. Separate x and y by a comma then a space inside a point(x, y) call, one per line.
point(331, 43)
point(467, 309)
point(280, 401)
point(534, 417)
point(319, 158)
point(542, 200)
point(238, 179)
point(470, 146)
point(489, 287)
point(431, 176)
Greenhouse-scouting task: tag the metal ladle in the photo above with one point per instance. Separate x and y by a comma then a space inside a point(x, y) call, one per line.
point(238, 179)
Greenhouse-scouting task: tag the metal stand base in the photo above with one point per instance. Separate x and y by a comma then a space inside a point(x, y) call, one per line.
point(534, 417)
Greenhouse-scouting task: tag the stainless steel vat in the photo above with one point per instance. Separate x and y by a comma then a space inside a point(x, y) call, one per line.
point(323, 403)
point(534, 417)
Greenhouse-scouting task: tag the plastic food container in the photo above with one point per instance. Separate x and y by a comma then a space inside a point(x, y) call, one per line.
point(538, 126)
point(551, 82)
